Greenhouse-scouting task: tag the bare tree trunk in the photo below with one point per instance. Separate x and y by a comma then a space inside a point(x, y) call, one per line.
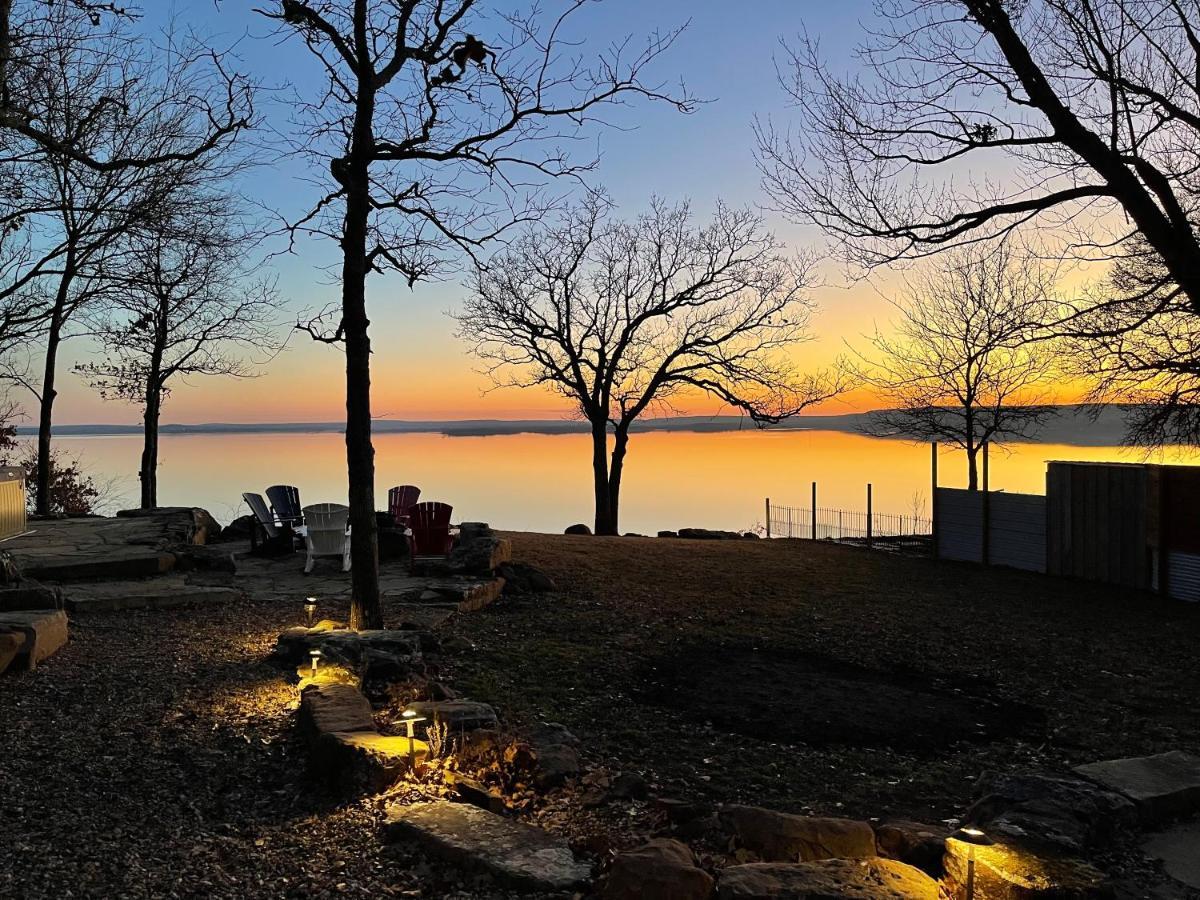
point(615, 469)
point(365, 608)
point(603, 523)
point(972, 467)
point(46, 406)
point(149, 470)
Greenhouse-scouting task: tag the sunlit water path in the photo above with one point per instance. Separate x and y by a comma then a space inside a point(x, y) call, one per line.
point(542, 482)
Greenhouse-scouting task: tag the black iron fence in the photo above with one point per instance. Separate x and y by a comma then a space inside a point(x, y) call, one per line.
point(882, 531)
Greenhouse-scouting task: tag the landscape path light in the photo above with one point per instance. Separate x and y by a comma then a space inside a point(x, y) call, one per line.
point(410, 720)
point(972, 837)
point(310, 609)
point(316, 661)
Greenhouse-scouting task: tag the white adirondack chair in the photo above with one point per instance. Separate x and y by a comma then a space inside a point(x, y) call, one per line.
point(326, 533)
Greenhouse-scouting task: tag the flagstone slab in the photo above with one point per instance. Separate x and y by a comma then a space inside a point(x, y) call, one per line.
point(518, 855)
point(827, 879)
point(1163, 786)
point(170, 592)
point(44, 632)
point(1179, 850)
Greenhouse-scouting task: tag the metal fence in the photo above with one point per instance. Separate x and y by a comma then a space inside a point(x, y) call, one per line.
point(883, 531)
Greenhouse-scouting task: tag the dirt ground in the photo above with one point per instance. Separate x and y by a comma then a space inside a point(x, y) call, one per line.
point(830, 679)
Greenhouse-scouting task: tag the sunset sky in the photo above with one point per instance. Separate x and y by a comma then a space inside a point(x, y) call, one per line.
point(420, 370)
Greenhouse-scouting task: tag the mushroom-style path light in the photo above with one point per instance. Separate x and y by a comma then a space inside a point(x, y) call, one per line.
point(316, 661)
point(972, 837)
point(310, 609)
point(410, 720)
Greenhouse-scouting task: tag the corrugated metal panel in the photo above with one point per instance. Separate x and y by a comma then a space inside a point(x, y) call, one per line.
point(1183, 576)
point(1017, 534)
point(12, 502)
point(958, 533)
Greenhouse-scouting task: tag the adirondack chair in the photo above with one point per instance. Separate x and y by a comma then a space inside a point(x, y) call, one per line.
point(326, 533)
point(285, 503)
point(400, 498)
point(429, 523)
point(263, 519)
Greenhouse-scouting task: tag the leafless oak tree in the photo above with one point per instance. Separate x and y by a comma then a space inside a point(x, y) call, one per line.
point(187, 303)
point(964, 363)
point(624, 317)
point(116, 102)
point(975, 117)
point(439, 121)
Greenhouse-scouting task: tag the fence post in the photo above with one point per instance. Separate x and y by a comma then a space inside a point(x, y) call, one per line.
point(768, 517)
point(987, 516)
point(814, 510)
point(934, 501)
point(869, 544)
point(789, 520)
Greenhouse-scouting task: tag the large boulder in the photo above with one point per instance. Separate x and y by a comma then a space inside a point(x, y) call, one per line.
point(363, 760)
point(1161, 787)
point(30, 595)
point(919, 845)
point(578, 528)
point(830, 879)
point(479, 555)
point(663, 868)
point(326, 708)
point(780, 837)
point(1068, 815)
point(708, 534)
point(457, 715)
point(521, 578)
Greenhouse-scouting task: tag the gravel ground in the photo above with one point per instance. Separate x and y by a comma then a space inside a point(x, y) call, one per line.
point(154, 757)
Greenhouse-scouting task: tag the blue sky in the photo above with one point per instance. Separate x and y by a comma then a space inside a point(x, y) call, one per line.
point(725, 56)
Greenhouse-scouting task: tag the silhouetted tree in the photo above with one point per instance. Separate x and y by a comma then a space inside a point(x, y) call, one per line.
point(1083, 115)
point(622, 317)
point(435, 140)
point(962, 364)
point(186, 303)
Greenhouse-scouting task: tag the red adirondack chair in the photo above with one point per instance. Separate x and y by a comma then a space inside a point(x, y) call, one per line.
point(429, 523)
point(400, 499)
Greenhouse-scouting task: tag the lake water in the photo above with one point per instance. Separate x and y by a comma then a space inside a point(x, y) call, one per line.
point(542, 482)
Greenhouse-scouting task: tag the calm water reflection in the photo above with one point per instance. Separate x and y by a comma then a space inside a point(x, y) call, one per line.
point(541, 482)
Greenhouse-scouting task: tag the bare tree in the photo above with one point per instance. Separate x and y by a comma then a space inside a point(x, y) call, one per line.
point(186, 304)
point(114, 105)
point(436, 141)
point(976, 117)
point(622, 317)
point(963, 363)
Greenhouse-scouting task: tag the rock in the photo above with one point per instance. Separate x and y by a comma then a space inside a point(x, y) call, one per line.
point(170, 592)
point(780, 837)
point(1063, 814)
point(679, 812)
point(435, 690)
point(921, 846)
point(749, 536)
point(30, 595)
point(203, 558)
point(43, 633)
point(330, 708)
point(470, 531)
point(1007, 871)
point(457, 715)
point(479, 556)
point(555, 754)
point(516, 854)
point(520, 578)
point(663, 869)
point(190, 525)
point(708, 534)
point(364, 760)
point(578, 528)
point(627, 786)
point(668, 534)
point(830, 879)
point(351, 648)
point(119, 563)
point(393, 544)
point(239, 529)
point(476, 793)
point(457, 644)
point(1162, 787)
point(1179, 850)
point(10, 646)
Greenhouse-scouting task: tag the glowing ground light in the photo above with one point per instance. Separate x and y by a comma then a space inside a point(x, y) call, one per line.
point(410, 720)
point(316, 661)
point(972, 837)
point(310, 608)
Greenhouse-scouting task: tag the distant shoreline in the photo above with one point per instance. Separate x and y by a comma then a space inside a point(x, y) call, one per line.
point(1074, 425)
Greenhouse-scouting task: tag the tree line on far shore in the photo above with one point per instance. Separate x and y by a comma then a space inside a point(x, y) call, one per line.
point(436, 144)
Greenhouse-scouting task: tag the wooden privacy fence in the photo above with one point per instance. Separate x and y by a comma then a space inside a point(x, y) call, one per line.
point(996, 528)
point(12, 502)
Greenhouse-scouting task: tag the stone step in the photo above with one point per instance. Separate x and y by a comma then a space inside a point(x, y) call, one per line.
point(518, 855)
point(1163, 786)
point(157, 593)
point(827, 879)
point(114, 564)
point(43, 633)
point(457, 715)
